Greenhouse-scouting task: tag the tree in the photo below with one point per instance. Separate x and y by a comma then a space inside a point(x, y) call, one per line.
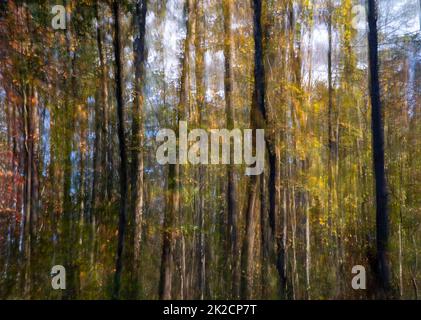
point(257, 120)
point(382, 219)
point(233, 243)
point(138, 136)
point(122, 147)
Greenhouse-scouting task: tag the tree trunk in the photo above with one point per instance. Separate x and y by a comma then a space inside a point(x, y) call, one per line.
point(182, 114)
point(122, 147)
point(382, 219)
point(68, 239)
point(331, 139)
point(265, 239)
point(257, 118)
point(165, 284)
point(200, 106)
point(28, 209)
point(137, 145)
point(247, 253)
point(308, 245)
point(233, 244)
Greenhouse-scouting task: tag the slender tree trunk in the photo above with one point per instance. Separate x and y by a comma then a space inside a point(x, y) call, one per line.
point(122, 147)
point(165, 284)
point(264, 233)
point(233, 246)
point(415, 268)
point(182, 114)
point(105, 152)
point(68, 127)
point(28, 155)
point(137, 145)
point(247, 253)
point(400, 255)
point(293, 212)
point(200, 106)
point(330, 116)
point(282, 260)
point(257, 118)
point(382, 219)
point(281, 226)
point(308, 245)
point(82, 189)
point(100, 106)
point(202, 249)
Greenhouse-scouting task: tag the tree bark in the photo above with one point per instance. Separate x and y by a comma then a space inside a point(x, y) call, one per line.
point(233, 244)
point(69, 236)
point(122, 147)
point(382, 219)
point(257, 118)
point(331, 139)
point(199, 111)
point(138, 137)
point(182, 114)
point(165, 284)
point(247, 253)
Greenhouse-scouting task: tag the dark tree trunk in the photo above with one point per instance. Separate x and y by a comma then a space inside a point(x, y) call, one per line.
point(330, 111)
point(257, 121)
point(201, 173)
point(69, 237)
point(265, 241)
point(165, 284)
point(181, 114)
point(137, 144)
point(104, 152)
point(233, 244)
point(382, 220)
point(28, 174)
point(122, 148)
point(99, 105)
point(247, 253)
